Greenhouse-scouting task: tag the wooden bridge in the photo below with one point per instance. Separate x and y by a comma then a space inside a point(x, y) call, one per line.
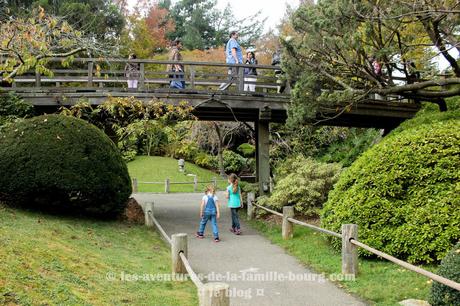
point(93, 80)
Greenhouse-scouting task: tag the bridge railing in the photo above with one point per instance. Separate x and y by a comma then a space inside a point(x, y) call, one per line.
point(91, 73)
point(350, 243)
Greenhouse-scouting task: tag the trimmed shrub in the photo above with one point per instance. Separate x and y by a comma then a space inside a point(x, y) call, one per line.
point(441, 295)
point(404, 193)
point(205, 160)
point(233, 162)
point(62, 164)
point(304, 184)
point(247, 150)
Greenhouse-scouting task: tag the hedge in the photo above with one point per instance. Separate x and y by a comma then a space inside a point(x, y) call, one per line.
point(404, 193)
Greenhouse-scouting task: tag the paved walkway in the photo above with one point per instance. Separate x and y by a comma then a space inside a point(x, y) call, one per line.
point(243, 261)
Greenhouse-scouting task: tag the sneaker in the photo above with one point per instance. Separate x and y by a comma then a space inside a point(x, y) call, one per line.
point(216, 239)
point(232, 230)
point(238, 232)
point(199, 235)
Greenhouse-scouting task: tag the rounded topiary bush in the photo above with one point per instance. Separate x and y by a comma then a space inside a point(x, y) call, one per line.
point(62, 164)
point(441, 295)
point(404, 193)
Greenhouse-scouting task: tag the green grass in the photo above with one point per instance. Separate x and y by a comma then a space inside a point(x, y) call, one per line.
point(380, 282)
point(158, 169)
point(50, 260)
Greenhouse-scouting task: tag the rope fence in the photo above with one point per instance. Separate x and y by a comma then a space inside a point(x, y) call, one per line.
point(167, 184)
point(159, 227)
point(349, 236)
point(269, 210)
point(193, 276)
point(209, 294)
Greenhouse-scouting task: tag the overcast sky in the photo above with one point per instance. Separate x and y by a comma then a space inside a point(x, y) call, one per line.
point(274, 10)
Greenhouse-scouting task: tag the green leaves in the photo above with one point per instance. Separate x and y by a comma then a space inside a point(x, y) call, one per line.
point(402, 192)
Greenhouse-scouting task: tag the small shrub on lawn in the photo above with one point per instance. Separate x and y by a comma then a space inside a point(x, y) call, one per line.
point(441, 295)
point(303, 183)
point(247, 150)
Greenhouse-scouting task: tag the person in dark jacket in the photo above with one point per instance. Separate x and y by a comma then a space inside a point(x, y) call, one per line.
point(250, 73)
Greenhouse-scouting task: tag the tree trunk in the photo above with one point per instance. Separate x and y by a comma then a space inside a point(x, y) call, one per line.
point(220, 145)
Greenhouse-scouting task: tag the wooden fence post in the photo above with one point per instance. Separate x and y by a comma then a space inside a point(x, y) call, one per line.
point(240, 79)
point(288, 228)
point(148, 208)
point(135, 185)
point(38, 79)
point(349, 250)
point(90, 74)
point(141, 76)
point(167, 185)
point(251, 198)
point(192, 77)
point(214, 294)
point(195, 184)
point(178, 244)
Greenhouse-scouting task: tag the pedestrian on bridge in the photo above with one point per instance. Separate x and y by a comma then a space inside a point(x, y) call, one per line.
point(235, 202)
point(178, 72)
point(209, 211)
point(233, 55)
point(250, 74)
point(132, 72)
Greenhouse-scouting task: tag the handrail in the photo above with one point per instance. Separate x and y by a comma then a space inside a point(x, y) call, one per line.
point(269, 210)
point(316, 228)
point(193, 276)
point(433, 276)
point(195, 279)
point(159, 227)
point(165, 62)
point(180, 183)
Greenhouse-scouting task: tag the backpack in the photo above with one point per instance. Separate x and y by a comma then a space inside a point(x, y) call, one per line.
point(210, 204)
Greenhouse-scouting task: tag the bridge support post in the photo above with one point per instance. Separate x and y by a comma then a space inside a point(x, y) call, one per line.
point(178, 245)
point(214, 294)
point(349, 250)
point(263, 158)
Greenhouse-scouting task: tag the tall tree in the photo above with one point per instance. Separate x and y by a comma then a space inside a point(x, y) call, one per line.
point(194, 19)
point(346, 50)
point(201, 25)
point(102, 19)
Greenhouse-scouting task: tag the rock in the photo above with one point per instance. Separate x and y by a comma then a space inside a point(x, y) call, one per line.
point(133, 212)
point(413, 302)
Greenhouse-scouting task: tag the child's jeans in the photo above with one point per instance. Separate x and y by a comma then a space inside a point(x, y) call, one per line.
point(235, 218)
point(204, 220)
